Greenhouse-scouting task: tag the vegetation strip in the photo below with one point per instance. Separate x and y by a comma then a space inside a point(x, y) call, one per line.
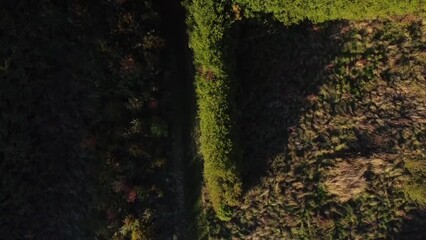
point(208, 24)
point(317, 11)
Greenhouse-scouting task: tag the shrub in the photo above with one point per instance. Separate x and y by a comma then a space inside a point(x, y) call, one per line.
point(135, 229)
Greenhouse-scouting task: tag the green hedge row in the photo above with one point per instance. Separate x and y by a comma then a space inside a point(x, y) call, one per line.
point(290, 12)
point(208, 23)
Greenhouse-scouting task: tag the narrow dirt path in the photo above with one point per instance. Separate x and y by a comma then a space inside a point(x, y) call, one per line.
point(182, 101)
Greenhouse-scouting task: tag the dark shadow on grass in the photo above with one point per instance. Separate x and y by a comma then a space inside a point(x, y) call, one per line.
point(414, 226)
point(278, 68)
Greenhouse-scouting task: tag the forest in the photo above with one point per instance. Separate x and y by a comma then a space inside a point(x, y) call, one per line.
point(213, 119)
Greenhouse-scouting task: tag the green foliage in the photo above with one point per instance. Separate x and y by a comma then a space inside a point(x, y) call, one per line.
point(416, 192)
point(134, 229)
point(317, 11)
point(209, 23)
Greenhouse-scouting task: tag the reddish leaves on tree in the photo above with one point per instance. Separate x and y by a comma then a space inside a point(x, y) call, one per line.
point(131, 196)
